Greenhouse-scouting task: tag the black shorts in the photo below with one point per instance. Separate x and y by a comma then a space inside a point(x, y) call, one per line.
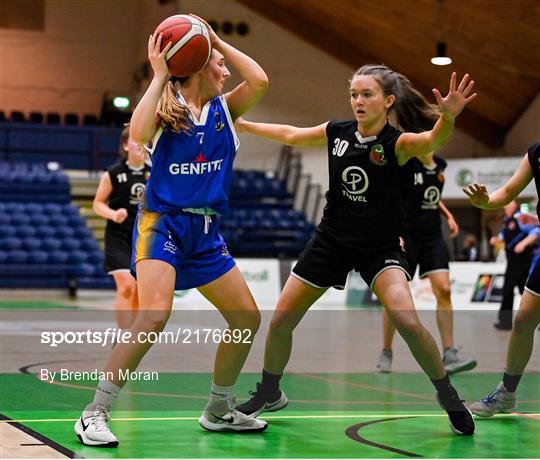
point(117, 250)
point(533, 281)
point(326, 263)
point(431, 254)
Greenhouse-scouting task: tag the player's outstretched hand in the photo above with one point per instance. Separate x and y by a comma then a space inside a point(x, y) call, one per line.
point(477, 194)
point(456, 99)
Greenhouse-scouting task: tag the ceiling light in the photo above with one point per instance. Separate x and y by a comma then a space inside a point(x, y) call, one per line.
point(441, 58)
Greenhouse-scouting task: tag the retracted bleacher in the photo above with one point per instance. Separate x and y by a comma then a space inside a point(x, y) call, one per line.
point(44, 242)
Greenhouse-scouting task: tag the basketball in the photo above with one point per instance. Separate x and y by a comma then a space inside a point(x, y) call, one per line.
point(191, 47)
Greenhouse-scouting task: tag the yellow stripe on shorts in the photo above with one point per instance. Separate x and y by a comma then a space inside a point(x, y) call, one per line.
point(145, 238)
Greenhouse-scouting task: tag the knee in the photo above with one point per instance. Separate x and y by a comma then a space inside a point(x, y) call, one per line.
point(523, 324)
point(126, 290)
point(442, 291)
point(281, 323)
point(249, 319)
point(151, 321)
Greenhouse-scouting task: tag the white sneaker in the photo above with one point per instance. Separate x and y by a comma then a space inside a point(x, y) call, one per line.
point(232, 420)
point(456, 361)
point(498, 401)
point(92, 428)
point(384, 364)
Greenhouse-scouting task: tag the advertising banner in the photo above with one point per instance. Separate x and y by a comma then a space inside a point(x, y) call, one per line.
point(261, 275)
point(492, 172)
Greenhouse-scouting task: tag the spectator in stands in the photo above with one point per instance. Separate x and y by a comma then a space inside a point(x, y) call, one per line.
point(469, 251)
point(176, 240)
point(519, 240)
point(362, 219)
point(117, 198)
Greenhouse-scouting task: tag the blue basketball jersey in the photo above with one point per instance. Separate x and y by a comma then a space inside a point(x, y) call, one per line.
point(194, 169)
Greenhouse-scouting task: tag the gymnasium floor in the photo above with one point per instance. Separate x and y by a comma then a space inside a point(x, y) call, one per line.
point(339, 407)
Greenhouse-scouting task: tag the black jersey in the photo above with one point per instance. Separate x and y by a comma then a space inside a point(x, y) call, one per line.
point(422, 190)
point(128, 185)
point(363, 207)
point(533, 153)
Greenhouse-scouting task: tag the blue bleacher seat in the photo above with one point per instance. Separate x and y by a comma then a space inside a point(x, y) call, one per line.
point(89, 245)
point(95, 258)
point(58, 257)
point(11, 243)
point(45, 231)
point(37, 257)
point(16, 257)
point(63, 232)
point(14, 207)
point(84, 270)
point(39, 219)
point(53, 208)
point(76, 221)
point(70, 244)
point(34, 208)
point(51, 244)
point(30, 243)
point(7, 230)
point(77, 257)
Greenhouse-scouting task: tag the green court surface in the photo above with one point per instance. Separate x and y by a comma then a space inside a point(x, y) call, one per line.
point(329, 416)
point(33, 305)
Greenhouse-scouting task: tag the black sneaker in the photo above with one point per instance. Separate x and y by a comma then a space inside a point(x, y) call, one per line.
point(262, 402)
point(459, 416)
point(503, 326)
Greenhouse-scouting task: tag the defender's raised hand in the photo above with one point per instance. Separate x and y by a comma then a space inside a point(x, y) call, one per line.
point(455, 101)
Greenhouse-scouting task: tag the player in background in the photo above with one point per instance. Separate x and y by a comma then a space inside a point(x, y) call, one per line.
point(119, 192)
point(424, 245)
point(519, 238)
point(503, 398)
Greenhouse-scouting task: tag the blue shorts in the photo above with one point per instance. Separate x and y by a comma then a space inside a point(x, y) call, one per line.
point(190, 242)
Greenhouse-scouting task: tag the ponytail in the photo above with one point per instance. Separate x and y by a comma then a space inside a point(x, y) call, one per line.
point(413, 112)
point(171, 112)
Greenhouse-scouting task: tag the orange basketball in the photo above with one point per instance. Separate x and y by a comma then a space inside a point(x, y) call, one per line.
point(191, 47)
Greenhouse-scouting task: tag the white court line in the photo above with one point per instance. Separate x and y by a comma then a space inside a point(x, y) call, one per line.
point(270, 417)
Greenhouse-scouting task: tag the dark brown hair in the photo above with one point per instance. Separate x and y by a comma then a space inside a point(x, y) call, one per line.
point(413, 112)
point(124, 137)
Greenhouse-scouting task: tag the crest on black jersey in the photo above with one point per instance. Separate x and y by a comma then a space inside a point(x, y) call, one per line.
point(377, 156)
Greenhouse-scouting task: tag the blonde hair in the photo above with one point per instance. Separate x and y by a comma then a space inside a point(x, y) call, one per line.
point(171, 112)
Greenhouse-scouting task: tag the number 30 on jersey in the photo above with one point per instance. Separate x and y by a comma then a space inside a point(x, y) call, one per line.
point(340, 147)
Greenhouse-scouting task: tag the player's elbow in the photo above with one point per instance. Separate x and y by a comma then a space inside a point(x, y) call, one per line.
point(138, 137)
point(260, 83)
point(292, 139)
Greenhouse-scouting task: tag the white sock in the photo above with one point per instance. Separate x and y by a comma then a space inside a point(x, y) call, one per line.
point(218, 393)
point(106, 393)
